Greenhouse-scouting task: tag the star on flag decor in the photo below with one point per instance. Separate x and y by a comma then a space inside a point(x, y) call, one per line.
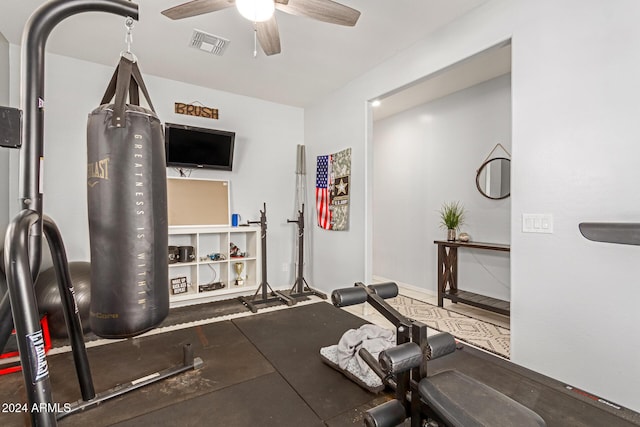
point(332, 190)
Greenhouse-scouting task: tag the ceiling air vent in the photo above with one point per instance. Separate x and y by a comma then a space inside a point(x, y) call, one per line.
point(208, 42)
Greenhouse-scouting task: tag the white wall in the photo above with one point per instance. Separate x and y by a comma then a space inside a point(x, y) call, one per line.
point(4, 71)
point(4, 152)
point(575, 89)
point(427, 156)
point(266, 135)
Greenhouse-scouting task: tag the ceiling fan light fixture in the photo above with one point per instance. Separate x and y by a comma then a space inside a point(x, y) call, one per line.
point(256, 10)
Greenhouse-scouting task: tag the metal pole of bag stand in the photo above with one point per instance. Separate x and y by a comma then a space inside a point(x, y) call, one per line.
point(29, 337)
point(268, 294)
point(23, 242)
point(301, 288)
point(69, 308)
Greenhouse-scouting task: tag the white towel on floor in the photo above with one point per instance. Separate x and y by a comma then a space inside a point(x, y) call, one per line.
point(373, 338)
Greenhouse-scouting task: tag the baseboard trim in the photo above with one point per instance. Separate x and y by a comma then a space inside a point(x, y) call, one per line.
point(405, 286)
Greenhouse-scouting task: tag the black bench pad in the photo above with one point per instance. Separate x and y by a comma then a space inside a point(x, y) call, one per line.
point(462, 401)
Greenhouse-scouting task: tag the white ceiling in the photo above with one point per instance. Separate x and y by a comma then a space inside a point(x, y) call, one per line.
point(483, 66)
point(317, 58)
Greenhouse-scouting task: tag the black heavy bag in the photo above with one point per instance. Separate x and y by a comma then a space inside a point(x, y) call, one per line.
point(127, 197)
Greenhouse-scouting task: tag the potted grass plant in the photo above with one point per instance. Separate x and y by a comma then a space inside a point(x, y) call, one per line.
point(452, 216)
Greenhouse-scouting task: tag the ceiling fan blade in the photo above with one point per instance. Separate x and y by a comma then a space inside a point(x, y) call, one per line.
point(196, 7)
point(322, 10)
point(268, 36)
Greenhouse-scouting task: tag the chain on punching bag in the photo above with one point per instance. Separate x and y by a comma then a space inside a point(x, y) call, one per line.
point(127, 201)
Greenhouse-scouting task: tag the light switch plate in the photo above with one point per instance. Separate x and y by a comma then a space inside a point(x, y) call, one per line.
point(537, 223)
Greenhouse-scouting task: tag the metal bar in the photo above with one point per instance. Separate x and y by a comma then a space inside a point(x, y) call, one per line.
point(300, 287)
point(263, 226)
point(69, 308)
point(23, 242)
point(419, 337)
point(264, 288)
point(373, 364)
point(35, 370)
point(301, 280)
point(390, 313)
point(189, 362)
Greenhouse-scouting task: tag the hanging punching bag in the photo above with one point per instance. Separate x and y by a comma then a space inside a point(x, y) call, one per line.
point(127, 201)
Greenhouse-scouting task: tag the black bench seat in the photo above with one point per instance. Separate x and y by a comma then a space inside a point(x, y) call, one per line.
point(464, 401)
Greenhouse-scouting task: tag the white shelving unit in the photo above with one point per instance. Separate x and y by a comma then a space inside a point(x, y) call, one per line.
point(207, 243)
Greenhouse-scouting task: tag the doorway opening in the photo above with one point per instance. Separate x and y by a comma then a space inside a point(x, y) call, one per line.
point(427, 142)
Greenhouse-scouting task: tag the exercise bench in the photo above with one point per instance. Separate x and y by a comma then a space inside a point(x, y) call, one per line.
point(448, 398)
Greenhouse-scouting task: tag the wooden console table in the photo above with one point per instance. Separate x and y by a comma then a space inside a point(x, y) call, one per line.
point(448, 276)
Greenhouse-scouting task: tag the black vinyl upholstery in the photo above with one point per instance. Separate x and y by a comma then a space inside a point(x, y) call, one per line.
point(440, 345)
point(463, 401)
point(400, 358)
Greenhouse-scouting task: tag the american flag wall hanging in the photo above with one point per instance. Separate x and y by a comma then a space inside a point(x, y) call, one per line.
point(332, 190)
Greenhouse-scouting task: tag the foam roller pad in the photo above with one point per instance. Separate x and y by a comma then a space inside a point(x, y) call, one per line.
point(385, 290)
point(400, 358)
point(389, 414)
point(348, 296)
point(440, 345)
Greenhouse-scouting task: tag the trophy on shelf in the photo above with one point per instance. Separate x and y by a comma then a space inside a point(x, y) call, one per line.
point(238, 266)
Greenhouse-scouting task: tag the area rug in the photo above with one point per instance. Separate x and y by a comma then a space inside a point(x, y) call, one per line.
point(487, 336)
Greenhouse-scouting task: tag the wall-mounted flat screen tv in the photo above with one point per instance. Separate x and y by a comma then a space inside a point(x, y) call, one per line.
point(193, 147)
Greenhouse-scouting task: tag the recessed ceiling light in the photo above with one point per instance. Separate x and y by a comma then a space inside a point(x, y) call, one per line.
point(375, 103)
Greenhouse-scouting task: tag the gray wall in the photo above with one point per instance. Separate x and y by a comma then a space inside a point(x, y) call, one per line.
point(4, 152)
point(427, 156)
point(266, 134)
point(575, 151)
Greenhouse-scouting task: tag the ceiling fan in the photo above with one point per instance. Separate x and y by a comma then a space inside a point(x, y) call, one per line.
point(261, 13)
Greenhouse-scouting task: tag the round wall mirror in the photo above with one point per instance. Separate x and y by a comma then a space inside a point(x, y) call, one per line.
point(494, 178)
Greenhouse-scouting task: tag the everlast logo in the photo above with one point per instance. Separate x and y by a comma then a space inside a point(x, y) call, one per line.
point(97, 170)
point(195, 110)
